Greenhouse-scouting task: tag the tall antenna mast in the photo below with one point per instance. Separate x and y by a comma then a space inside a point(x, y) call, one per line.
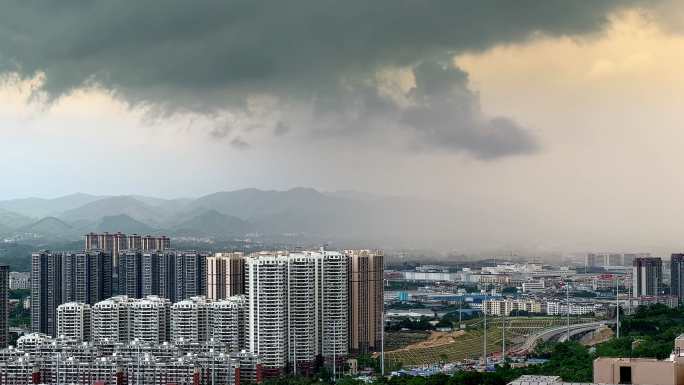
point(617, 307)
point(484, 346)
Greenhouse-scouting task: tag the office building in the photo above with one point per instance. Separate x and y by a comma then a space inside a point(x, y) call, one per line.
point(46, 291)
point(676, 276)
point(111, 320)
point(4, 305)
point(19, 280)
point(267, 298)
point(190, 320)
point(647, 276)
point(225, 275)
point(86, 276)
point(365, 293)
point(150, 320)
point(73, 321)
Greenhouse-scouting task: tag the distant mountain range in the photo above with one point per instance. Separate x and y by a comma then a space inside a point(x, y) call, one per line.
point(304, 212)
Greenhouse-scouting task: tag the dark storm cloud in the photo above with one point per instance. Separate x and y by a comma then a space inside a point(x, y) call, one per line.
point(203, 55)
point(447, 115)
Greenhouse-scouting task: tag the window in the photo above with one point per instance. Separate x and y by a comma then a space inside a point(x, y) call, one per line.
point(625, 375)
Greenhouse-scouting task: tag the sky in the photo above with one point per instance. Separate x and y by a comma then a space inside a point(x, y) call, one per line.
point(557, 123)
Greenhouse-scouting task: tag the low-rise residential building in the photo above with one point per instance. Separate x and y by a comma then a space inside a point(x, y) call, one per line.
point(562, 308)
point(40, 359)
point(501, 307)
point(19, 280)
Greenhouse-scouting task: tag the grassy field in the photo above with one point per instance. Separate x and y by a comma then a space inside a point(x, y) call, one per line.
point(400, 339)
point(469, 344)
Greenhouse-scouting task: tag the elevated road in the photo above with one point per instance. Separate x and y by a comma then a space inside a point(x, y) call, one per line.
point(560, 333)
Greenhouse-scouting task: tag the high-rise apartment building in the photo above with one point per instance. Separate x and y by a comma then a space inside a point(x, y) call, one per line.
point(190, 275)
point(614, 260)
point(365, 293)
point(332, 306)
point(130, 273)
point(86, 276)
point(298, 308)
point(228, 322)
point(134, 242)
point(170, 274)
point(301, 312)
point(118, 242)
point(592, 260)
point(267, 298)
point(190, 320)
point(111, 320)
point(73, 321)
point(160, 243)
point(46, 291)
point(150, 320)
point(647, 276)
point(225, 275)
point(150, 273)
point(4, 305)
point(677, 276)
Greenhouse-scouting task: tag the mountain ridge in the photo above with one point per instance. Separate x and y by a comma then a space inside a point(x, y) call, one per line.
point(304, 212)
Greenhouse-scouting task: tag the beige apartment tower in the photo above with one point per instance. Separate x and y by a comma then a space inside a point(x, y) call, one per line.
point(366, 269)
point(225, 275)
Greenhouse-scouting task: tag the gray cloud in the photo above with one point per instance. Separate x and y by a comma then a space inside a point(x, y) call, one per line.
point(239, 143)
point(281, 129)
point(205, 55)
point(447, 115)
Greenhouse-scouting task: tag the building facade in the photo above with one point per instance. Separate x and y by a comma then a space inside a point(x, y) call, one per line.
point(228, 322)
point(19, 280)
point(150, 320)
point(332, 306)
point(73, 321)
point(190, 320)
point(365, 296)
point(4, 305)
point(647, 276)
point(39, 359)
point(301, 312)
point(86, 276)
point(111, 320)
point(225, 275)
point(190, 275)
point(46, 291)
point(677, 276)
point(267, 298)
